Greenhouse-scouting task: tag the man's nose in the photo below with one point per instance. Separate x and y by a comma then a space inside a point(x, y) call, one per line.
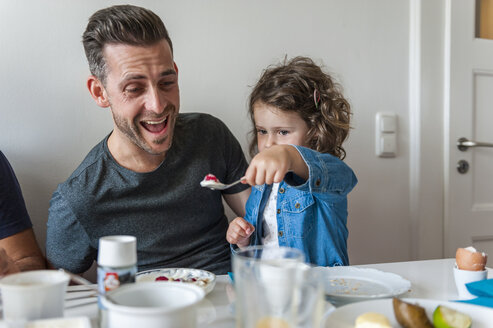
point(155, 101)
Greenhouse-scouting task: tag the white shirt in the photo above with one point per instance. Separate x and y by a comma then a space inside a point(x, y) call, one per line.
point(269, 222)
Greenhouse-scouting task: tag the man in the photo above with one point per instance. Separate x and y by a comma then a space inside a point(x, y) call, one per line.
point(19, 250)
point(143, 179)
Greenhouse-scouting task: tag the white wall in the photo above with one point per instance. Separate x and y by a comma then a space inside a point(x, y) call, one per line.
point(48, 122)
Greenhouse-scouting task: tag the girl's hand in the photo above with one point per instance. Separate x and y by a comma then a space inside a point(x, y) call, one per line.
point(272, 164)
point(239, 232)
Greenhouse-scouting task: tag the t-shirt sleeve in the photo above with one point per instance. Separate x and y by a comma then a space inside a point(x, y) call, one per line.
point(236, 161)
point(67, 243)
point(13, 213)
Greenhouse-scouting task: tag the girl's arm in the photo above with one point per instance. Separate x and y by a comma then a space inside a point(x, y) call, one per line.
point(324, 175)
point(329, 177)
point(272, 164)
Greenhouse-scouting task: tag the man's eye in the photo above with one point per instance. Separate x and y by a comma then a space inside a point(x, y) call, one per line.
point(284, 132)
point(132, 89)
point(166, 84)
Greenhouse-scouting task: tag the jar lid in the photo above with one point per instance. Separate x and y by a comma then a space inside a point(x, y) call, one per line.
point(117, 251)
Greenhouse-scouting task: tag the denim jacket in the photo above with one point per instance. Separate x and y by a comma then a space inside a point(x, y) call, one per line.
point(312, 214)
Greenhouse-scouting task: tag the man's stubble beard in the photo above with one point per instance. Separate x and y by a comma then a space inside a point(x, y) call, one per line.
point(133, 133)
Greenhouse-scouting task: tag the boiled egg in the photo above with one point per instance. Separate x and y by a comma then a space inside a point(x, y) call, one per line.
point(470, 259)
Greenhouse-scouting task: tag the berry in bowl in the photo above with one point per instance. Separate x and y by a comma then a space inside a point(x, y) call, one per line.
point(204, 279)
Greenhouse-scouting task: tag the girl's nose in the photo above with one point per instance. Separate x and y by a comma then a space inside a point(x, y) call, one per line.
point(271, 141)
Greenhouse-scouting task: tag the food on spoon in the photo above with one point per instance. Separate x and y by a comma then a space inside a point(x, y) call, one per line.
point(470, 259)
point(372, 320)
point(410, 315)
point(209, 180)
point(444, 317)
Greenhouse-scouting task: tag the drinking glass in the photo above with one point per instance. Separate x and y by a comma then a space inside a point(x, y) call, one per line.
point(275, 288)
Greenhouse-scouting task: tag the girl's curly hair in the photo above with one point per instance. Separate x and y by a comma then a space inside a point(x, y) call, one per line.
point(290, 86)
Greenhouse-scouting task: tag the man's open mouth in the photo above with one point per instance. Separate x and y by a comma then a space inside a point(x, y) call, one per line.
point(155, 126)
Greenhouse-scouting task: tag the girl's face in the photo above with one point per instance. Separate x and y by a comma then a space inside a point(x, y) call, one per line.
point(278, 127)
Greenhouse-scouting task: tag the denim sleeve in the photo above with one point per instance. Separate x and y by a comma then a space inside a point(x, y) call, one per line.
point(67, 243)
point(329, 178)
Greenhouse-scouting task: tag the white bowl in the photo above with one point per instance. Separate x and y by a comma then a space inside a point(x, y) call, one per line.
point(33, 295)
point(151, 305)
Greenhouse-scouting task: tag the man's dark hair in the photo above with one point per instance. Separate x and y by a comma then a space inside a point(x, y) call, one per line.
point(122, 24)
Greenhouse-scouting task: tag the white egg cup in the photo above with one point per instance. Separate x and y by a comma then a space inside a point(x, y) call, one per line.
point(463, 277)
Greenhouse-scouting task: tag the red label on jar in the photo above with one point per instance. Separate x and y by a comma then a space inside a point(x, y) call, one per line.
point(111, 281)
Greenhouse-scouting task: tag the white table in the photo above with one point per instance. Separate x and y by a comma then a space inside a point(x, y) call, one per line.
point(432, 279)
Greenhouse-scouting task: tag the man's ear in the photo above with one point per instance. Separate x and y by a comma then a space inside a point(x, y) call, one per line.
point(176, 68)
point(97, 91)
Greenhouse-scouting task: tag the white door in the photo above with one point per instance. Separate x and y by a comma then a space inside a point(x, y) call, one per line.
point(468, 114)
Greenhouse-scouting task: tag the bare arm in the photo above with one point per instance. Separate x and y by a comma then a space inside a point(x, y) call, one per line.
point(238, 201)
point(22, 252)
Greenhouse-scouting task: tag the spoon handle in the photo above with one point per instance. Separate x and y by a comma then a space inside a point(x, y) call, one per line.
point(79, 280)
point(234, 183)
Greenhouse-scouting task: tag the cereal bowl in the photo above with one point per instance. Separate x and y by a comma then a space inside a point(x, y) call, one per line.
point(201, 278)
point(151, 305)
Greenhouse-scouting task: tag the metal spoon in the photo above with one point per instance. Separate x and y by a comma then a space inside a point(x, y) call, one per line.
point(219, 185)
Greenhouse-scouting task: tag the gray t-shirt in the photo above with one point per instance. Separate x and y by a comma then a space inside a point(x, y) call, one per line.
point(177, 223)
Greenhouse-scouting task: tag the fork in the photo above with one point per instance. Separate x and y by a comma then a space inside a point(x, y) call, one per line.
point(82, 281)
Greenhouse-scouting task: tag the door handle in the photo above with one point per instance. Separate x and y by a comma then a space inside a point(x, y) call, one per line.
point(463, 144)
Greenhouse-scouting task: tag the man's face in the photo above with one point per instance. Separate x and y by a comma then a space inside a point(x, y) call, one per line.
point(142, 89)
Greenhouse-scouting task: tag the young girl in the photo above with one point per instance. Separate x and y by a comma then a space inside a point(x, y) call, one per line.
point(300, 120)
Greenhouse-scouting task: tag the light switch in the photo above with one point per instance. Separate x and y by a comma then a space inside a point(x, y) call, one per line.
point(388, 124)
point(386, 134)
point(387, 145)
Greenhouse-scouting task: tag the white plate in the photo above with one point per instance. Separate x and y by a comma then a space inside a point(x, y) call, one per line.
point(345, 316)
point(204, 279)
point(345, 284)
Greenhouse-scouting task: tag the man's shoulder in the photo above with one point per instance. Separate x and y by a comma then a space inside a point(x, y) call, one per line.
point(202, 127)
point(204, 120)
point(89, 166)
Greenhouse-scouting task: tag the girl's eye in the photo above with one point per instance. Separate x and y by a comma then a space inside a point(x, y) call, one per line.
point(260, 131)
point(284, 132)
